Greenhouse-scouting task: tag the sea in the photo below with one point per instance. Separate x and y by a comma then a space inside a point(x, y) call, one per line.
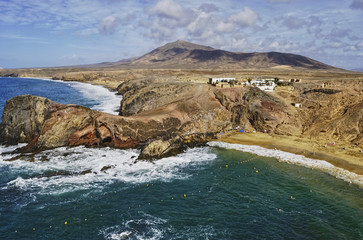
point(220, 191)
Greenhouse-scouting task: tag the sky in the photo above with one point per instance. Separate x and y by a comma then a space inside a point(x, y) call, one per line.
point(43, 33)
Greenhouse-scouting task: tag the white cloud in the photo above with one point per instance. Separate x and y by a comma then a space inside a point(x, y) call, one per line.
point(23, 38)
point(224, 27)
point(239, 42)
point(328, 28)
point(159, 32)
point(72, 59)
point(336, 44)
point(108, 25)
point(168, 9)
point(201, 24)
point(360, 44)
point(245, 18)
point(87, 32)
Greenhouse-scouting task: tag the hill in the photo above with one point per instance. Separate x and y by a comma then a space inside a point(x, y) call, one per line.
point(186, 55)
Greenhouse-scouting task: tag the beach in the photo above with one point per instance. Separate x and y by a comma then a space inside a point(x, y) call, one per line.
point(339, 154)
point(219, 191)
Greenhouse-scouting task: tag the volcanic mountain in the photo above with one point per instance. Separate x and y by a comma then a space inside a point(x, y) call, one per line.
point(186, 55)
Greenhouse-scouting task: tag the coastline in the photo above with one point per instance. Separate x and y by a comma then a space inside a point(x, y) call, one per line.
point(106, 95)
point(350, 159)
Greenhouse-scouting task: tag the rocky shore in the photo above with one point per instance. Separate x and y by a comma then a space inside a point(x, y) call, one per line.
point(163, 114)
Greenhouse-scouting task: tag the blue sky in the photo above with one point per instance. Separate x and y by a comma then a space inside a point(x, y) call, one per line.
point(45, 33)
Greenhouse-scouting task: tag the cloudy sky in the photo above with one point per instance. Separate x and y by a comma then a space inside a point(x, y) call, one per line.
point(45, 33)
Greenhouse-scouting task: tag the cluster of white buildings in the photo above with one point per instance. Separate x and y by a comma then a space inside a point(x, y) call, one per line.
point(263, 84)
point(215, 81)
point(267, 85)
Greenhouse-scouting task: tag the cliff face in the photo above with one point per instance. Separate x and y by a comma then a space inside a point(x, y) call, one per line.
point(253, 109)
point(23, 119)
point(163, 117)
point(45, 124)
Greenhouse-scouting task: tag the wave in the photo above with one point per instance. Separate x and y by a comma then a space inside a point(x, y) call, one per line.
point(106, 100)
point(70, 169)
point(291, 158)
point(145, 227)
point(150, 227)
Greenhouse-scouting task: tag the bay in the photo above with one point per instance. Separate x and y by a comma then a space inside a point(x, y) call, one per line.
point(204, 193)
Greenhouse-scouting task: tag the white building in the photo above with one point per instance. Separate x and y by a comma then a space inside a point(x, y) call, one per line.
point(264, 85)
point(217, 80)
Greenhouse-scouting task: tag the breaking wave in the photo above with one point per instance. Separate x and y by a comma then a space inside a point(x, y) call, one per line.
point(154, 228)
point(145, 227)
point(107, 101)
point(295, 159)
point(101, 98)
point(70, 169)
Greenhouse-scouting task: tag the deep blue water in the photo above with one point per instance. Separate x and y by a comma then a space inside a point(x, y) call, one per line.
point(63, 92)
point(205, 193)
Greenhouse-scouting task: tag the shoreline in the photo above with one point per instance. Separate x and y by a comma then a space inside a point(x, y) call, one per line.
point(113, 110)
point(350, 159)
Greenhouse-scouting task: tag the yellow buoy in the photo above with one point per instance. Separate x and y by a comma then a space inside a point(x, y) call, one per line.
point(226, 165)
point(147, 185)
point(65, 223)
point(256, 171)
point(185, 195)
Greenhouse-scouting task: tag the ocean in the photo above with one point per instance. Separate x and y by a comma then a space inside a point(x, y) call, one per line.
point(221, 191)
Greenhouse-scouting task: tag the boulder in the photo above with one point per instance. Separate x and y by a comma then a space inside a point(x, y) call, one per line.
point(23, 118)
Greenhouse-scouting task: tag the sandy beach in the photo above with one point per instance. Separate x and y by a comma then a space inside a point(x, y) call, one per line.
point(340, 155)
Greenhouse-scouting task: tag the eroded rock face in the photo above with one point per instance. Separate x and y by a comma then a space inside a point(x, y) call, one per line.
point(23, 118)
point(253, 109)
point(165, 118)
point(45, 124)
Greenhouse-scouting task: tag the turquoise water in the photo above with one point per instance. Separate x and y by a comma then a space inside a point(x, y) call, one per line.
point(205, 193)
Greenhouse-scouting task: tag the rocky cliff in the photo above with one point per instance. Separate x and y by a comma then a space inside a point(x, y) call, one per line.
point(163, 117)
point(45, 124)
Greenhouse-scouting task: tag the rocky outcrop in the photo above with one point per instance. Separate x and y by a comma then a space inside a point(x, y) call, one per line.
point(253, 109)
point(23, 118)
point(45, 124)
point(163, 117)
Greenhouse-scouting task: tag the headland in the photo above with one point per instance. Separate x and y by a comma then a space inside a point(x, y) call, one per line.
point(168, 105)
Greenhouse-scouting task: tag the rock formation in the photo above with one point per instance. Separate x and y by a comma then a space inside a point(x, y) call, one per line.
point(163, 117)
point(45, 124)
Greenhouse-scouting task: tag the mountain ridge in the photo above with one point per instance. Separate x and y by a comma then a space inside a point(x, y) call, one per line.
point(185, 55)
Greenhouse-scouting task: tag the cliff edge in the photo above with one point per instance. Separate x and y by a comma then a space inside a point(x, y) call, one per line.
point(163, 117)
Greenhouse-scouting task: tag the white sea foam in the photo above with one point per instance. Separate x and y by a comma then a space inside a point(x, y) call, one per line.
point(295, 159)
point(6, 152)
point(70, 169)
point(109, 102)
point(152, 228)
point(145, 227)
